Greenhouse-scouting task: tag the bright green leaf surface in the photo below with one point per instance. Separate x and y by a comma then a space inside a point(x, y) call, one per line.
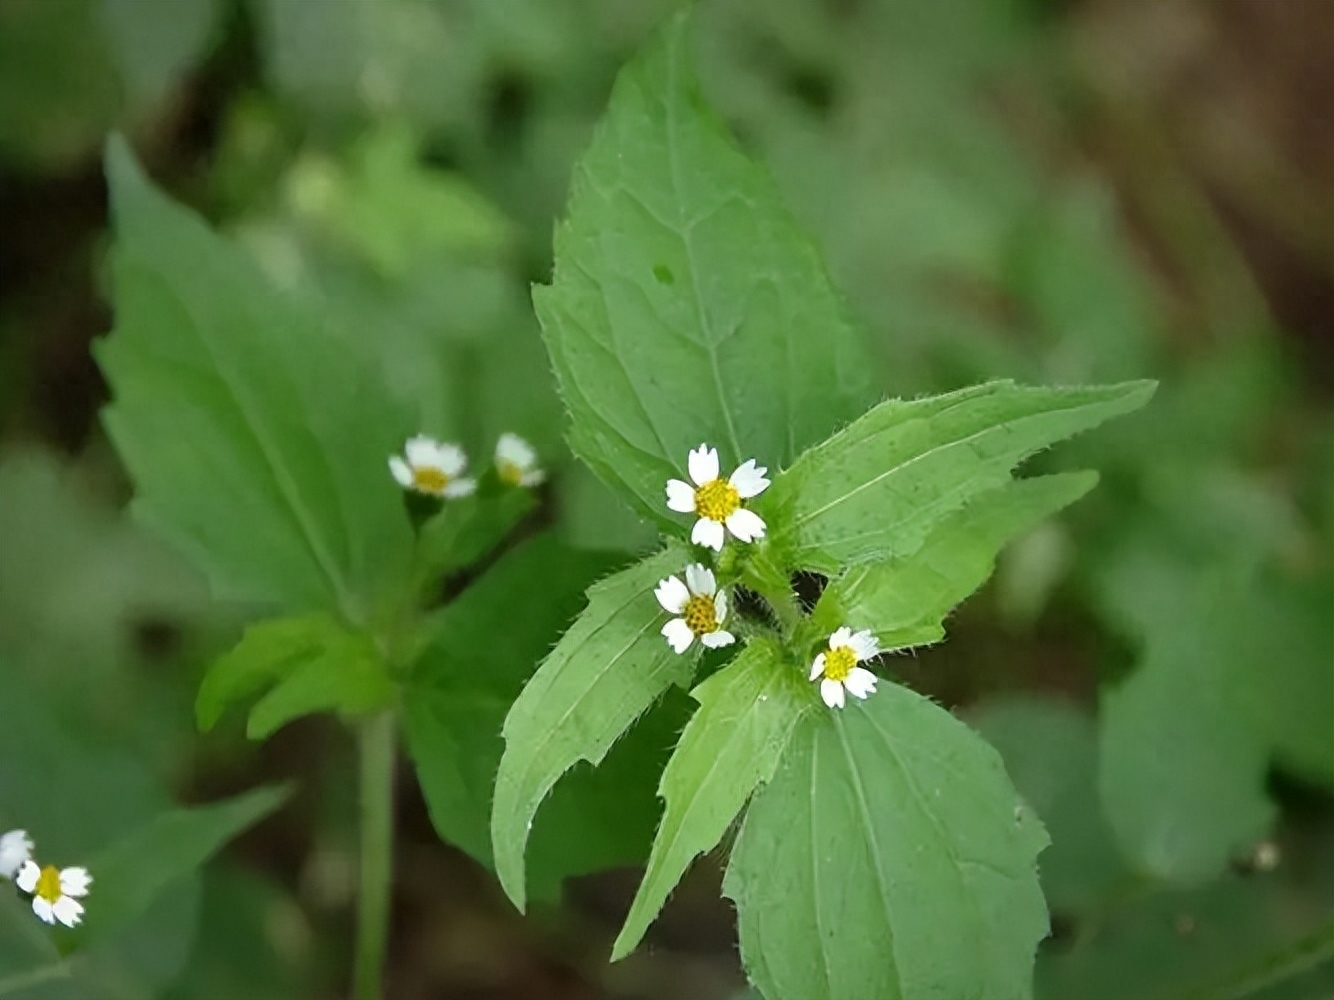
point(732, 744)
point(905, 602)
point(889, 857)
point(605, 672)
point(876, 489)
point(253, 443)
point(686, 306)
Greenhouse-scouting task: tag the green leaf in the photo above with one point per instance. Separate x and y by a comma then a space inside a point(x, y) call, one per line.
point(1050, 749)
point(307, 664)
point(905, 601)
point(888, 857)
point(604, 673)
point(877, 489)
point(255, 440)
point(686, 305)
point(134, 871)
point(155, 44)
point(732, 744)
point(468, 528)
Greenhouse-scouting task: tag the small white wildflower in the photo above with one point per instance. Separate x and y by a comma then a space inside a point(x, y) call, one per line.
point(15, 849)
point(718, 501)
point(432, 467)
point(839, 662)
point(516, 462)
point(702, 608)
point(54, 891)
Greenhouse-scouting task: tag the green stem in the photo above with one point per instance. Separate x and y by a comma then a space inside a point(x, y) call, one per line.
point(376, 747)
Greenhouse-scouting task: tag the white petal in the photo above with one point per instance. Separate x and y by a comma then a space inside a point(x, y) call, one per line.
point(864, 645)
point(43, 910)
point(716, 640)
point(460, 488)
point(860, 682)
point(67, 911)
point(15, 849)
point(515, 450)
point(678, 634)
point(672, 595)
point(401, 470)
point(745, 524)
point(708, 533)
point(533, 477)
point(680, 497)
point(832, 693)
point(817, 668)
point(703, 464)
point(451, 458)
point(720, 607)
point(28, 876)
point(696, 581)
point(75, 881)
point(421, 450)
point(749, 479)
point(840, 637)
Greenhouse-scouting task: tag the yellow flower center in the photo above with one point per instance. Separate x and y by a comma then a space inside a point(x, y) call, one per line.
point(509, 472)
point(48, 884)
point(838, 663)
point(699, 615)
point(429, 479)
point(716, 500)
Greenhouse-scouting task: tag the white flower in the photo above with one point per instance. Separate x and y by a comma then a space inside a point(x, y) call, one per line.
point(432, 467)
point(839, 665)
point(718, 501)
point(516, 462)
point(702, 608)
point(54, 891)
point(15, 849)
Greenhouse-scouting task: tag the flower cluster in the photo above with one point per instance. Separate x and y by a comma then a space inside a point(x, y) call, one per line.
point(438, 468)
point(55, 891)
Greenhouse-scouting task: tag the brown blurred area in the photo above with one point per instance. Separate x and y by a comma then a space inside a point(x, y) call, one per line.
point(1228, 101)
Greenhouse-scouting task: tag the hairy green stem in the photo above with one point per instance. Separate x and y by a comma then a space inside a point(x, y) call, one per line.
point(376, 747)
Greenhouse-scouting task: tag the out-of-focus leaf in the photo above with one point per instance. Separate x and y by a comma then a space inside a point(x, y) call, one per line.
point(253, 443)
point(730, 746)
point(466, 529)
point(684, 298)
point(889, 856)
point(155, 43)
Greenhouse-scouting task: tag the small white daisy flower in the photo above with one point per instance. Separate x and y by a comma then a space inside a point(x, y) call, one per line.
point(54, 891)
point(516, 462)
point(718, 501)
point(15, 850)
point(702, 608)
point(839, 662)
point(432, 467)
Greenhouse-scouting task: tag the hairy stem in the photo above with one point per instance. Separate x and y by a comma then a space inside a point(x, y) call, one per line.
point(376, 747)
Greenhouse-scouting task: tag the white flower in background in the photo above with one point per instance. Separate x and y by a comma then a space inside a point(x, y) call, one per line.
point(516, 462)
point(839, 662)
point(54, 891)
point(15, 849)
point(432, 467)
point(718, 501)
point(702, 608)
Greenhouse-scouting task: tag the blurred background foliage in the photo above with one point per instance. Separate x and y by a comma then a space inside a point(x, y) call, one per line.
point(1052, 190)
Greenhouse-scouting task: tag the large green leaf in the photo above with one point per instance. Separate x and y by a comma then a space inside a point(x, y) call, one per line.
point(888, 857)
point(732, 744)
point(255, 441)
point(686, 306)
point(876, 489)
point(481, 650)
point(905, 601)
point(605, 672)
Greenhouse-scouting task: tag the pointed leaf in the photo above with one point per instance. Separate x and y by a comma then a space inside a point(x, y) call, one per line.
point(888, 857)
point(255, 440)
point(877, 489)
point(686, 305)
point(732, 744)
point(905, 601)
point(604, 673)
